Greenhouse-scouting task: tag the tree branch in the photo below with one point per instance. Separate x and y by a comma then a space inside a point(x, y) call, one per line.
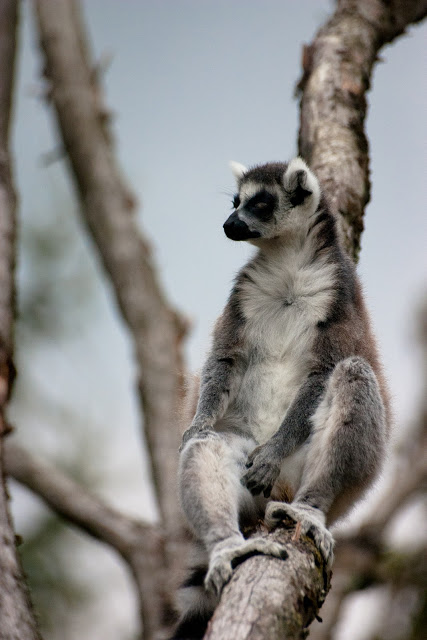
point(271, 598)
point(139, 544)
point(267, 597)
point(337, 69)
point(16, 616)
point(108, 208)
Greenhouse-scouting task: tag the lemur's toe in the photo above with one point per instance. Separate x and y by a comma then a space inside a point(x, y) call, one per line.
point(278, 513)
point(263, 546)
point(218, 575)
point(311, 523)
point(225, 558)
point(324, 542)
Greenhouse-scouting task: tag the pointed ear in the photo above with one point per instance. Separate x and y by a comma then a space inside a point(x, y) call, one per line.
point(301, 184)
point(238, 169)
point(296, 173)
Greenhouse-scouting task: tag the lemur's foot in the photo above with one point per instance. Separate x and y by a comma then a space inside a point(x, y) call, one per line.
point(311, 521)
point(226, 555)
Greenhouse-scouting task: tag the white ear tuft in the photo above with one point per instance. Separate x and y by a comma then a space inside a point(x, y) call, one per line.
point(311, 182)
point(297, 164)
point(238, 169)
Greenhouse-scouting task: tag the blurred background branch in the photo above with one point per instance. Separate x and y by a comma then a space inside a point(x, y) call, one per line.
point(139, 544)
point(16, 616)
point(108, 209)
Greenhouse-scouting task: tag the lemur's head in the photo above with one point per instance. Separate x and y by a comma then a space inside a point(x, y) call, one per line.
point(271, 199)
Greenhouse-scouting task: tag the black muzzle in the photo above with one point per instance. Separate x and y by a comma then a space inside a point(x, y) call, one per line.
point(236, 229)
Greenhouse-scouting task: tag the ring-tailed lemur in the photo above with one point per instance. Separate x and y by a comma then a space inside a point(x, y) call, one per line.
point(292, 403)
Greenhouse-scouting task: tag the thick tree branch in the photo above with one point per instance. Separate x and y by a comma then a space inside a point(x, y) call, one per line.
point(337, 74)
point(139, 544)
point(108, 208)
point(279, 599)
point(16, 617)
point(271, 598)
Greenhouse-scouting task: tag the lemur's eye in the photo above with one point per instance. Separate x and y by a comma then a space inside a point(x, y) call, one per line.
point(236, 201)
point(262, 205)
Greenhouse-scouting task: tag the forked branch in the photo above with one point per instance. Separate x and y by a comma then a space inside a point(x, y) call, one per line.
point(337, 74)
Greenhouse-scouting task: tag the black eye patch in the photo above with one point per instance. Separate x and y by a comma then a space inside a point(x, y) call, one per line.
point(236, 201)
point(262, 205)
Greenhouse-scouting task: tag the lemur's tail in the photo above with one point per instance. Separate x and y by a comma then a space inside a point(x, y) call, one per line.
point(196, 606)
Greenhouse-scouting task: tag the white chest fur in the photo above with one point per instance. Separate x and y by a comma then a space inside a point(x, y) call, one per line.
point(282, 300)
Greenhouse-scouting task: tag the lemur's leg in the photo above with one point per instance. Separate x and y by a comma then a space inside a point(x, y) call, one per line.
point(344, 453)
point(211, 493)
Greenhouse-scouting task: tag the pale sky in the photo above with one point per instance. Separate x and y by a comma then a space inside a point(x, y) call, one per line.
point(192, 85)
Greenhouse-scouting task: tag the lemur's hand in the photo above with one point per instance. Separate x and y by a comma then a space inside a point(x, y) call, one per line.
point(196, 431)
point(263, 469)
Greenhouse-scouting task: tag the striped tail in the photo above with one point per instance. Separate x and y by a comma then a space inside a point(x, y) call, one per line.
point(196, 606)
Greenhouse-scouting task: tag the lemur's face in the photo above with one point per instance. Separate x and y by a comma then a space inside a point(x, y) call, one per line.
point(254, 213)
point(271, 199)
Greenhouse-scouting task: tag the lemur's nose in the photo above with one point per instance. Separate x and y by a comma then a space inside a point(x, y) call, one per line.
point(237, 229)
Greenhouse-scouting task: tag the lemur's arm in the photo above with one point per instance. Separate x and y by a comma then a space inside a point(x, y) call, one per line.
point(265, 461)
point(217, 384)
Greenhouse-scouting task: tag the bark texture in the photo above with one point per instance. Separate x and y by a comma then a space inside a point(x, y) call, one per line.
point(337, 70)
point(16, 617)
point(272, 598)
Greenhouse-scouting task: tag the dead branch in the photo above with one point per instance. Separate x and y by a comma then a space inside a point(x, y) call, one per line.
point(337, 70)
point(16, 616)
point(108, 208)
point(272, 598)
point(139, 544)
